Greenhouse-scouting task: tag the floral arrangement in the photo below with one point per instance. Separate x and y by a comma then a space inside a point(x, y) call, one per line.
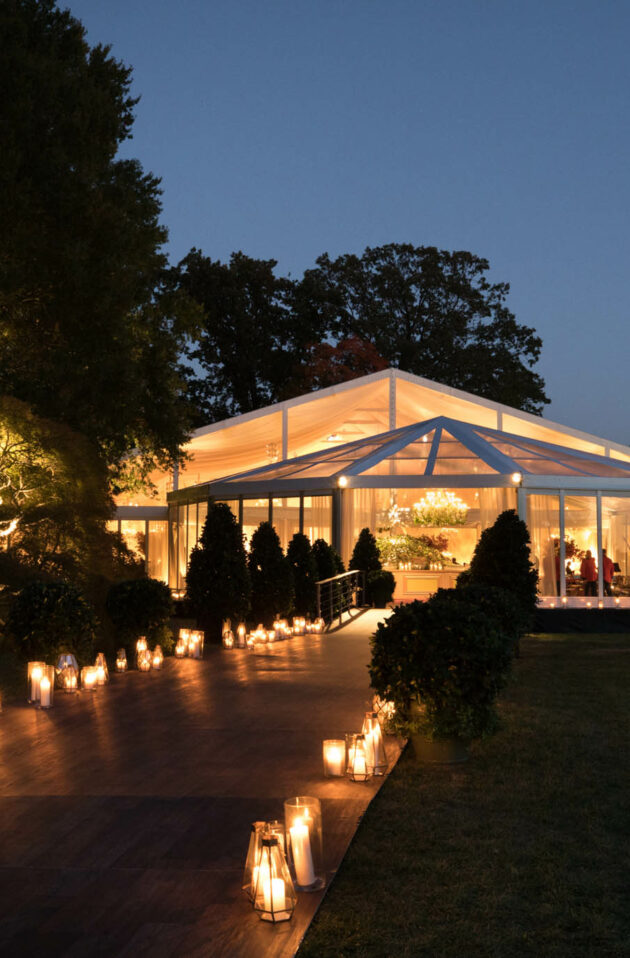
point(420, 551)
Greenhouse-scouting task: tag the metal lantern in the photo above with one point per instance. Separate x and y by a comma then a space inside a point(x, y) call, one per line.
point(144, 660)
point(357, 770)
point(228, 639)
point(274, 894)
point(35, 671)
point(374, 744)
point(303, 830)
point(102, 675)
point(277, 828)
point(157, 660)
point(334, 752)
point(121, 660)
point(252, 862)
point(68, 679)
point(241, 635)
point(88, 678)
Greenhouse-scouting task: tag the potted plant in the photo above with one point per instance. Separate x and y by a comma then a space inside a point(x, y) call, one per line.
point(443, 663)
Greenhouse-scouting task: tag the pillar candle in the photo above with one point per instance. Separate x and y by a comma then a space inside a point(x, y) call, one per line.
point(334, 758)
point(274, 894)
point(44, 692)
point(302, 856)
point(36, 677)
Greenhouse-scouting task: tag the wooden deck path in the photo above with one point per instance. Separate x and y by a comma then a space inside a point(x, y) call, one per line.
point(125, 814)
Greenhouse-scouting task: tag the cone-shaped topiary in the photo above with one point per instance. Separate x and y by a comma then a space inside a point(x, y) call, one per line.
point(304, 568)
point(365, 555)
point(502, 558)
point(271, 576)
point(326, 559)
point(218, 583)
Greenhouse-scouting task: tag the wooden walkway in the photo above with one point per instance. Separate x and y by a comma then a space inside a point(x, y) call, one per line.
point(125, 814)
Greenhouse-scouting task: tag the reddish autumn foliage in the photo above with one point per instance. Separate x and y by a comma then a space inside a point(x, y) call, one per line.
point(325, 364)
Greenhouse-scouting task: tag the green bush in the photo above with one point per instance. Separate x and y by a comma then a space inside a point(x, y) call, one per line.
point(498, 604)
point(443, 663)
point(272, 579)
point(304, 568)
point(141, 607)
point(380, 587)
point(49, 618)
point(502, 558)
point(218, 583)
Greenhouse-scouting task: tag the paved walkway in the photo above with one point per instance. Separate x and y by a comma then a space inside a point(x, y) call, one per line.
point(125, 814)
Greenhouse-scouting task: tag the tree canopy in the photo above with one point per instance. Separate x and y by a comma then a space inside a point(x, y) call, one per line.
point(88, 337)
point(264, 338)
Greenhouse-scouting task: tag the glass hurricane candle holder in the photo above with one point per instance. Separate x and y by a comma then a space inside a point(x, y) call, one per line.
point(121, 660)
point(145, 660)
point(195, 644)
point(334, 752)
point(35, 672)
point(303, 830)
point(180, 649)
point(141, 644)
point(299, 625)
point(102, 675)
point(157, 660)
point(241, 635)
point(252, 862)
point(374, 745)
point(183, 637)
point(228, 639)
point(357, 769)
point(274, 894)
point(88, 678)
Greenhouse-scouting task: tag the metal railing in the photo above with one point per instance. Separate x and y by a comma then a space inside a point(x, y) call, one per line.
point(339, 594)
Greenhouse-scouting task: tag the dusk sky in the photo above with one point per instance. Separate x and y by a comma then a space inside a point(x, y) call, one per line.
point(287, 129)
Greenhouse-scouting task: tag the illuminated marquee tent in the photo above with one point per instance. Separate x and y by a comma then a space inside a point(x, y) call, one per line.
point(369, 452)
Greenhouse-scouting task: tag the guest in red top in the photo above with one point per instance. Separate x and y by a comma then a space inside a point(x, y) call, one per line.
point(608, 571)
point(588, 571)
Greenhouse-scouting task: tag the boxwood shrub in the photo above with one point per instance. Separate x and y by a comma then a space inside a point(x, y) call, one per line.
point(48, 618)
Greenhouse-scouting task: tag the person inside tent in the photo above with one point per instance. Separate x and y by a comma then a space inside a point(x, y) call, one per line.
point(588, 571)
point(608, 571)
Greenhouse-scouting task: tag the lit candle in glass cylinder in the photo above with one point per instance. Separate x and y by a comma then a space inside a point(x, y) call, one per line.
point(102, 675)
point(241, 635)
point(68, 680)
point(141, 644)
point(318, 625)
point(121, 660)
point(158, 657)
point(374, 745)
point(35, 671)
point(303, 830)
point(180, 649)
point(195, 644)
point(45, 692)
point(88, 678)
point(184, 635)
point(228, 639)
point(334, 750)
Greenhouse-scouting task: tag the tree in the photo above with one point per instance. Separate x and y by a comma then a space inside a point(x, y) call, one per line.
point(431, 312)
point(324, 364)
point(304, 568)
point(89, 337)
point(329, 562)
point(502, 558)
point(218, 582)
point(365, 555)
point(272, 579)
point(244, 341)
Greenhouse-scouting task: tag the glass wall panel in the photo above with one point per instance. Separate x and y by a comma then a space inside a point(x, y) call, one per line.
point(255, 511)
point(580, 533)
point(181, 547)
point(172, 546)
point(202, 513)
point(158, 550)
point(286, 519)
point(421, 528)
point(543, 522)
point(133, 532)
point(616, 542)
point(318, 518)
point(192, 530)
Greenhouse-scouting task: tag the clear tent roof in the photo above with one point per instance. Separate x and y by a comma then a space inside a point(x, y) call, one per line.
point(437, 447)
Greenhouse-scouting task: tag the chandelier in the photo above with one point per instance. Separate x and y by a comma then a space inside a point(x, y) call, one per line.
point(440, 508)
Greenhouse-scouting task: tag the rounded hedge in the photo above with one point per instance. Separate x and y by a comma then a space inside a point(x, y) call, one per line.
point(47, 619)
point(141, 607)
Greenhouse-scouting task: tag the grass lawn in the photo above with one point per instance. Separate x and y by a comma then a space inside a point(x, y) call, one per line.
point(525, 850)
